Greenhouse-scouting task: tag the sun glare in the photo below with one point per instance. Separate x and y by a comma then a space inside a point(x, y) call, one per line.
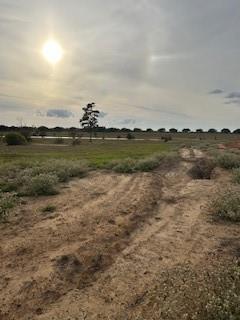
point(52, 52)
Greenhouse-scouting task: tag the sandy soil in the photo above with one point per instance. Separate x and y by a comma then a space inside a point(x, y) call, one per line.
point(107, 242)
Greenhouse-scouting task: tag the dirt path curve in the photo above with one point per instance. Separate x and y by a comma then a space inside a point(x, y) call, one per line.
point(112, 234)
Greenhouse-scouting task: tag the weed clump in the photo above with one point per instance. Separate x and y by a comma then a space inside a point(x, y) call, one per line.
point(123, 166)
point(202, 169)
point(185, 293)
point(26, 179)
point(144, 165)
point(228, 161)
point(7, 202)
point(64, 169)
point(41, 185)
point(226, 205)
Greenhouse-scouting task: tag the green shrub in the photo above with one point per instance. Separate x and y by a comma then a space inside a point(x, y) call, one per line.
point(16, 177)
point(41, 185)
point(9, 184)
point(14, 139)
point(202, 169)
point(64, 169)
point(236, 175)
point(228, 161)
point(7, 202)
point(124, 166)
point(148, 164)
point(226, 205)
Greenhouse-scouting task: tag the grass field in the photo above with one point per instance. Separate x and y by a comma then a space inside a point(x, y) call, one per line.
point(97, 153)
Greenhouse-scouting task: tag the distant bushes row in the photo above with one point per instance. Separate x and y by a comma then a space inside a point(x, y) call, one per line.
point(43, 130)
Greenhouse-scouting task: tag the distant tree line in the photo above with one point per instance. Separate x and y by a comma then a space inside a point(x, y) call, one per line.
point(73, 131)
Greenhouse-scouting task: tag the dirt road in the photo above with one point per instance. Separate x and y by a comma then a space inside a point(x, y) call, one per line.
point(107, 242)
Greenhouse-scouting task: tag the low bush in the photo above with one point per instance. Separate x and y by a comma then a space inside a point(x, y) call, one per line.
point(16, 177)
point(7, 202)
point(226, 205)
point(14, 139)
point(124, 166)
point(148, 164)
point(228, 161)
point(202, 169)
point(64, 169)
point(41, 185)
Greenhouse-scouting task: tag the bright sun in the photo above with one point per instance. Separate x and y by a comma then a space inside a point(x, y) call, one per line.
point(52, 52)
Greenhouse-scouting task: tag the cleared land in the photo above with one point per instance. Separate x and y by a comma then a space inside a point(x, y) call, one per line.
point(114, 246)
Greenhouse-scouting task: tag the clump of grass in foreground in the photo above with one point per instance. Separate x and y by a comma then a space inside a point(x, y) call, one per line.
point(148, 164)
point(41, 185)
point(39, 178)
point(211, 293)
point(226, 205)
point(7, 202)
point(228, 161)
point(202, 169)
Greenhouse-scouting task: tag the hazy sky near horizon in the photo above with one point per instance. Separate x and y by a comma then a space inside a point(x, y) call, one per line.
point(146, 63)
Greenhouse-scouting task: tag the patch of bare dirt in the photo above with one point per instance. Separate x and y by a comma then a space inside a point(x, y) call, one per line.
point(186, 153)
point(106, 244)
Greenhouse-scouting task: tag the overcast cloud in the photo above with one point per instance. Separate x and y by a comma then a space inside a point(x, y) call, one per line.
point(59, 113)
point(151, 61)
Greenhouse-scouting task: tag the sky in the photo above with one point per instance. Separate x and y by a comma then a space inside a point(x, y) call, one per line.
point(145, 63)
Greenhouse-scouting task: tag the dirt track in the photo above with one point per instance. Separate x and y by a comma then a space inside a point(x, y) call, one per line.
point(104, 247)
